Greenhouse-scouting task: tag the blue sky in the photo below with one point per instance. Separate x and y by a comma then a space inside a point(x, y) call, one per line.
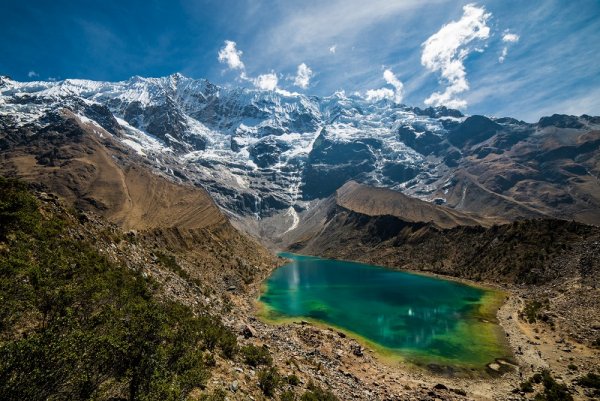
point(551, 62)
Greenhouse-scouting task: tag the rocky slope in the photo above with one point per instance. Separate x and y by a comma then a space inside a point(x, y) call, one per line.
point(389, 228)
point(535, 255)
point(263, 154)
point(174, 270)
point(549, 267)
point(374, 201)
point(83, 165)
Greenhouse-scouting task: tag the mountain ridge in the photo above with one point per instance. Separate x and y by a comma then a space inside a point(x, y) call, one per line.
point(264, 154)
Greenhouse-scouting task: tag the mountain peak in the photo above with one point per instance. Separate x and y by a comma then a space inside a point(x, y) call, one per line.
point(260, 152)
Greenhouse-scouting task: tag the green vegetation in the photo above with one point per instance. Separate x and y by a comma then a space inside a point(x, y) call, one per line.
point(553, 391)
point(532, 311)
point(527, 387)
point(74, 326)
point(256, 356)
point(292, 380)
point(170, 262)
point(288, 395)
point(217, 395)
point(268, 380)
point(591, 380)
point(316, 393)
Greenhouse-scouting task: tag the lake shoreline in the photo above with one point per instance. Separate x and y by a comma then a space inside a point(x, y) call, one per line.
point(485, 315)
point(369, 377)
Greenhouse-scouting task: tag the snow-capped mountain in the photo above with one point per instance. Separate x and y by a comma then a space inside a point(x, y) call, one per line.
point(261, 153)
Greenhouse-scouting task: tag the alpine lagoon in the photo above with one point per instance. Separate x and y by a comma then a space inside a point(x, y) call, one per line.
point(417, 318)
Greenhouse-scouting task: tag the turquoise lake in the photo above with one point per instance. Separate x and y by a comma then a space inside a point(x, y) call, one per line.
point(417, 318)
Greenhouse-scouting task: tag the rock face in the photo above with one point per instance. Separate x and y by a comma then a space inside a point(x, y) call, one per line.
point(260, 153)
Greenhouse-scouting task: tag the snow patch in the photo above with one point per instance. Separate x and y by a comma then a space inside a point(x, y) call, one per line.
point(295, 219)
point(135, 146)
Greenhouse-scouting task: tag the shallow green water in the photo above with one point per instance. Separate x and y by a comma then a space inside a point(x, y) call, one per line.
point(418, 318)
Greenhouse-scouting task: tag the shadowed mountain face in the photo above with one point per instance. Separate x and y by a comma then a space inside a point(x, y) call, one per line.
point(267, 156)
point(379, 226)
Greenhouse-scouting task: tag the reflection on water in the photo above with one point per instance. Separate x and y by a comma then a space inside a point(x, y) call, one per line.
point(397, 310)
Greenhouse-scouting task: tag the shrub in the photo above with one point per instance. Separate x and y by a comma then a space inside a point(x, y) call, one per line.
point(268, 380)
point(288, 396)
point(591, 380)
point(292, 380)
point(228, 344)
point(553, 391)
point(256, 356)
point(217, 395)
point(316, 393)
point(532, 309)
point(526, 387)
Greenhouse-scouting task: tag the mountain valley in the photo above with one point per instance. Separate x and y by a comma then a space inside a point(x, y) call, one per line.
point(195, 187)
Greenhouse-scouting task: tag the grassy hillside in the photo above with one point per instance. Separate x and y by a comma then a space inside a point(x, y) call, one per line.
point(75, 326)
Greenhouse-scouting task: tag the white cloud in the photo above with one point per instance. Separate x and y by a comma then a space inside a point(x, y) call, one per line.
point(503, 55)
point(374, 95)
point(266, 82)
point(507, 38)
point(391, 79)
point(332, 49)
point(230, 55)
point(396, 94)
point(446, 50)
point(33, 74)
point(303, 76)
point(510, 37)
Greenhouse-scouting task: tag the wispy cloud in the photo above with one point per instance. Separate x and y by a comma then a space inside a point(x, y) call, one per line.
point(446, 50)
point(303, 76)
point(510, 37)
point(391, 79)
point(507, 38)
point(33, 74)
point(395, 94)
point(307, 27)
point(230, 55)
point(523, 86)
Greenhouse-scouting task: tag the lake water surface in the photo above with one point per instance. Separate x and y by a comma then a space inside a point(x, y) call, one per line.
point(414, 317)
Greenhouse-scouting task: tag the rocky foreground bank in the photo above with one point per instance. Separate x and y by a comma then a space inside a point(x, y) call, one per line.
point(549, 326)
